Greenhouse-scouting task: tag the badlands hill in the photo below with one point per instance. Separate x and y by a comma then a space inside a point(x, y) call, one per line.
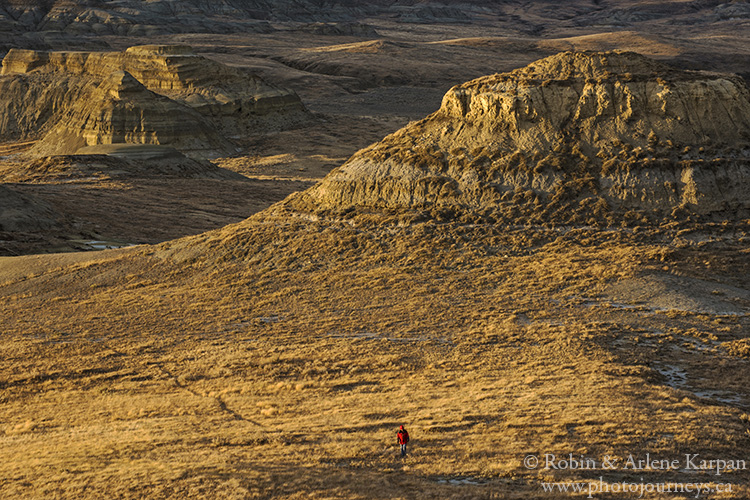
point(275, 358)
point(92, 25)
point(159, 95)
point(136, 18)
point(577, 137)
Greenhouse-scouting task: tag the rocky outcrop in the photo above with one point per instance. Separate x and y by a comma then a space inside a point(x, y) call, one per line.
point(122, 111)
point(146, 95)
point(572, 136)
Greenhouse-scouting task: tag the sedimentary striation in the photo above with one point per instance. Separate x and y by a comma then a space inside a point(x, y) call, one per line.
point(578, 136)
point(146, 95)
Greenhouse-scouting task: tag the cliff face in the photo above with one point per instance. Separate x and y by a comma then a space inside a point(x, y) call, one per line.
point(603, 98)
point(608, 131)
point(145, 95)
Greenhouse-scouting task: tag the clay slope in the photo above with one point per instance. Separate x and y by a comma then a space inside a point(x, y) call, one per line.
point(21, 213)
point(579, 136)
point(146, 95)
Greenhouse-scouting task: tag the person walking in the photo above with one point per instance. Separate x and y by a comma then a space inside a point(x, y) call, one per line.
point(403, 439)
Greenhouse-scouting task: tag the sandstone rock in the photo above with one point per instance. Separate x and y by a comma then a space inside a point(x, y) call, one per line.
point(569, 137)
point(122, 111)
point(145, 95)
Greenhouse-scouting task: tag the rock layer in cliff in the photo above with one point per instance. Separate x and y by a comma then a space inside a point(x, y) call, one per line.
point(146, 95)
point(578, 136)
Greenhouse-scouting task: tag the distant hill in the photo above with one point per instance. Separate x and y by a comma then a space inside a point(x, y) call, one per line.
point(132, 17)
point(164, 95)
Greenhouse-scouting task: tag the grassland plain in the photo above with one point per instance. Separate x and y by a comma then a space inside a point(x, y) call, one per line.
point(276, 357)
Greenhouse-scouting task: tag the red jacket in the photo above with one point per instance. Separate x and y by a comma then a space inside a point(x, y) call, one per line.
point(403, 436)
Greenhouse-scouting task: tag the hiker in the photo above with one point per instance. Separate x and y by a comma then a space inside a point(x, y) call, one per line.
point(403, 438)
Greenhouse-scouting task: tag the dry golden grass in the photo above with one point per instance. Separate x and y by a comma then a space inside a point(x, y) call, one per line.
point(276, 358)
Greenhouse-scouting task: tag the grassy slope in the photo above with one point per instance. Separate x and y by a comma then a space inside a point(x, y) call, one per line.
point(221, 366)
